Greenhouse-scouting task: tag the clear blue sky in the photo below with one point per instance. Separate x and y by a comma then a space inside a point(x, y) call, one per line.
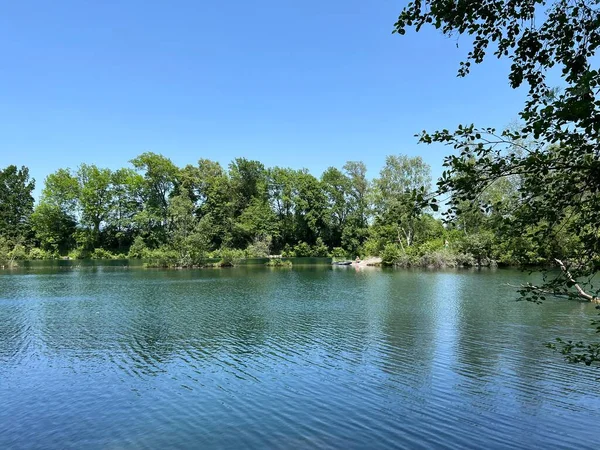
point(290, 83)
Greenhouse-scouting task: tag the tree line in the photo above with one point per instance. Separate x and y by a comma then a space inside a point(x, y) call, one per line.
point(182, 216)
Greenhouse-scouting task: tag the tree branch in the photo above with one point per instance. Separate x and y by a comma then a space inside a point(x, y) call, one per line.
point(580, 291)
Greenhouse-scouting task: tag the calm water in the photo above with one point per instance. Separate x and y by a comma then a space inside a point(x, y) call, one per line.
point(119, 358)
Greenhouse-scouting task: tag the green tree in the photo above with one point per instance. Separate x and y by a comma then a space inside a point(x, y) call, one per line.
point(61, 189)
point(310, 208)
point(53, 228)
point(336, 186)
point(16, 201)
point(95, 196)
point(401, 183)
point(182, 223)
point(54, 220)
point(127, 187)
point(560, 176)
point(160, 182)
point(248, 181)
point(208, 186)
point(356, 230)
point(281, 191)
point(257, 222)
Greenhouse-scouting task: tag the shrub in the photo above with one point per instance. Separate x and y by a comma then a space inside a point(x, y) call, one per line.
point(406, 260)
point(5, 249)
point(339, 252)
point(161, 257)
point(479, 245)
point(100, 253)
point(302, 249)
point(431, 247)
point(464, 260)
point(184, 260)
point(260, 248)
point(287, 251)
point(138, 248)
point(320, 249)
point(38, 253)
point(78, 253)
point(230, 257)
point(278, 262)
point(390, 255)
point(17, 253)
point(438, 259)
point(371, 247)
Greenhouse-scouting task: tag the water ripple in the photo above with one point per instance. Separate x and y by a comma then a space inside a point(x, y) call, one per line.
point(287, 359)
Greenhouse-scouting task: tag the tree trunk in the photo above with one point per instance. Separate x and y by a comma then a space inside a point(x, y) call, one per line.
point(400, 240)
point(580, 291)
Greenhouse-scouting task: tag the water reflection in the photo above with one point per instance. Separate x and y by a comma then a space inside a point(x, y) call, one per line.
point(424, 358)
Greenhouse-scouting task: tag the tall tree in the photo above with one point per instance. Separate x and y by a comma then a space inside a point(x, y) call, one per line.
point(248, 181)
point(127, 187)
point(16, 201)
point(359, 189)
point(61, 189)
point(188, 237)
point(310, 208)
point(95, 198)
point(336, 186)
point(402, 181)
point(209, 187)
point(161, 181)
point(281, 188)
point(55, 218)
point(356, 230)
point(53, 227)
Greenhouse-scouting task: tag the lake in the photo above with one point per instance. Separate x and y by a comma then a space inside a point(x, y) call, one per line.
point(117, 358)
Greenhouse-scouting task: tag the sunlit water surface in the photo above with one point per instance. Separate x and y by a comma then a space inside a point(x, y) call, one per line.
point(116, 358)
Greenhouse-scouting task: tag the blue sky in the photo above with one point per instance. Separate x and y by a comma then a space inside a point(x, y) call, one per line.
point(290, 83)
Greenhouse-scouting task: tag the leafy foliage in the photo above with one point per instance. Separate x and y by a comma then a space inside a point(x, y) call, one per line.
point(16, 201)
point(553, 158)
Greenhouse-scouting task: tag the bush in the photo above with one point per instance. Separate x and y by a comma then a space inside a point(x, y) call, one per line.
point(480, 246)
point(138, 248)
point(339, 252)
point(38, 253)
point(184, 260)
point(78, 253)
point(302, 249)
point(371, 247)
point(390, 255)
point(260, 248)
point(464, 260)
point(320, 249)
point(161, 257)
point(287, 251)
point(278, 262)
point(406, 260)
point(430, 247)
point(5, 249)
point(100, 253)
point(230, 257)
point(17, 253)
point(438, 259)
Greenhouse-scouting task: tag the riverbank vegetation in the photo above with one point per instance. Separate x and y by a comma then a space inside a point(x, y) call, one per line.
point(181, 216)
